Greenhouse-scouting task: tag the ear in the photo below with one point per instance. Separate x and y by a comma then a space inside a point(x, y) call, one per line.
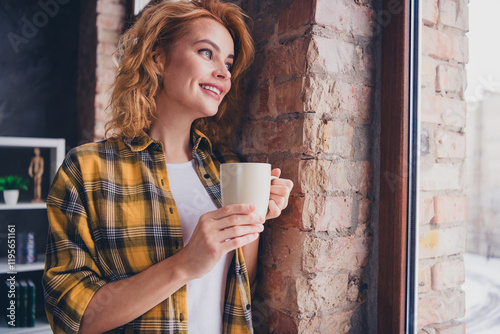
point(159, 60)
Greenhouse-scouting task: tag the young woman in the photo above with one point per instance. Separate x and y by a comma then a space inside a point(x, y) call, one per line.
point(139, 240)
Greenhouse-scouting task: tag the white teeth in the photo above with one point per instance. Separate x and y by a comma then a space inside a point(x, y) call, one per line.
point(213, 89)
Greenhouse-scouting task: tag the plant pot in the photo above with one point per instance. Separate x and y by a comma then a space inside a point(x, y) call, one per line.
point(11, 196)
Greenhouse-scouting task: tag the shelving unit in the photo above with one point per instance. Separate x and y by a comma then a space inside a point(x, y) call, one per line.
point(23, 206)
point(57, 149)
point(41, 327)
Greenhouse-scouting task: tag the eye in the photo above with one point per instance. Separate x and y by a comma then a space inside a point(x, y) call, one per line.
point(206, 53)
point(229, 66)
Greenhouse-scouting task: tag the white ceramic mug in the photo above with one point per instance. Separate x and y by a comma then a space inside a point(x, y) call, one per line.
point(246, 183)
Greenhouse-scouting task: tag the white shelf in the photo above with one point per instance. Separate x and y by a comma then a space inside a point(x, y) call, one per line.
point(41, 327)
point(57, 148)
point(23, 206)
point(38, 265)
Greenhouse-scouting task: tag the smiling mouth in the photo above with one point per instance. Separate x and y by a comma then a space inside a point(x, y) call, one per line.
point(211, 88)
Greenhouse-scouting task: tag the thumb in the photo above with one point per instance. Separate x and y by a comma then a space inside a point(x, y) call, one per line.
point(276, 172)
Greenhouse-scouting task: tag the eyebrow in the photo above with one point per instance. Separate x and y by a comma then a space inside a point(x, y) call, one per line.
point(215, 46)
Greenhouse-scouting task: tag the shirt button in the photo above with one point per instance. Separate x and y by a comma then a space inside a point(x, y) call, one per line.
point(171, 210)
point(248, 307)
point(206, 176)
point(181, 317)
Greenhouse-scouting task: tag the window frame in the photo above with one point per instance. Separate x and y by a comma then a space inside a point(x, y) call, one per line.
point(399, 161)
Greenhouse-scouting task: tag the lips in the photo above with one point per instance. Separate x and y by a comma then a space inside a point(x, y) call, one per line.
point(213, 88)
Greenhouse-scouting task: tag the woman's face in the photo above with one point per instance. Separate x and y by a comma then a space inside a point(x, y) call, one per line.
point(197, 76)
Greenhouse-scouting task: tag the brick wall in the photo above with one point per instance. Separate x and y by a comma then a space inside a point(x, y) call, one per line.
point(442, 177)
point(102, 24)
point(310, 111)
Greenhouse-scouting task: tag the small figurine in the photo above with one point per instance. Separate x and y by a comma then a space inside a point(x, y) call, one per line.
point(36, 171)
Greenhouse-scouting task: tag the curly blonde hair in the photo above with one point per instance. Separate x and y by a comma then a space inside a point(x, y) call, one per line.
point(137, 81)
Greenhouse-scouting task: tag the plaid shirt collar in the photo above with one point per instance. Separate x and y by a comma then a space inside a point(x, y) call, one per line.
point(143, 141)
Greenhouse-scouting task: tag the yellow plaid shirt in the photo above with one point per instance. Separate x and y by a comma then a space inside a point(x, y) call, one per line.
point(111, 216)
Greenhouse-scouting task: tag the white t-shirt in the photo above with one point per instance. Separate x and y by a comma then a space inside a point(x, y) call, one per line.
point(205, 296)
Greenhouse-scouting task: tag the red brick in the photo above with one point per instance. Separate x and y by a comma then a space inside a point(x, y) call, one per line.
point(449, 144)
point(433, 309)
point(108, 22)
point(286, 247)
point(336, 56)
point(292, 216)
point(445, 45)
point(106, 48)
point(280, 322)
point(278, 289)
point(323, 175)
point(342, 253)
point(426, 211)
point(448, 274)
point(105, 78)
point(323, 291)
point(328, 213)
point(102, 100)
point(441, 110)
point(344, 100)
point(273, 136)
point(299, 13)
point(335, 137)
point(327, 323)
point(105, 61)
point(450, 209)
point(274, 100)
point(442, 242)
point(346, 16)
point(110, 8)
point(452, 327)
point(454, 13)
point(424, 279)
point(429, 12)
point(451, 78)
point(364, 212)
point(428, 75)
point(441, 176)
point(287, 59)
point(108, 36)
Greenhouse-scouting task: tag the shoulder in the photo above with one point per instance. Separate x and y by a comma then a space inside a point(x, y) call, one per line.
point(91, 156)
point(224, 154)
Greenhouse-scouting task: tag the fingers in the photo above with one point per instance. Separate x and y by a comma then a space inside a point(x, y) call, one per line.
point(273, 211)
point(280, 192)
point(239, 231)
point(240, 241)
point(233, 209)
point(278, 200)
point(276, 172)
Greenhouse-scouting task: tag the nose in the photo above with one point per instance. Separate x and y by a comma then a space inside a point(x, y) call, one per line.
point(221, 72)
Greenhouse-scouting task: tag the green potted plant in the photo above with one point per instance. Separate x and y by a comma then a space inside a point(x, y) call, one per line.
point(10, 185)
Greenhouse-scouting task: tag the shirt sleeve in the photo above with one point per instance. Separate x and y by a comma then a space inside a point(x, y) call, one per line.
point(71, 276)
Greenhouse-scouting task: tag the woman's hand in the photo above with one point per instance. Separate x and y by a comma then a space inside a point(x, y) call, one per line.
point(217, 233)
point(280, 192)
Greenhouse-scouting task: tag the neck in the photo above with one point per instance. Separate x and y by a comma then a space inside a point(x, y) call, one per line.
point(175, 135)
